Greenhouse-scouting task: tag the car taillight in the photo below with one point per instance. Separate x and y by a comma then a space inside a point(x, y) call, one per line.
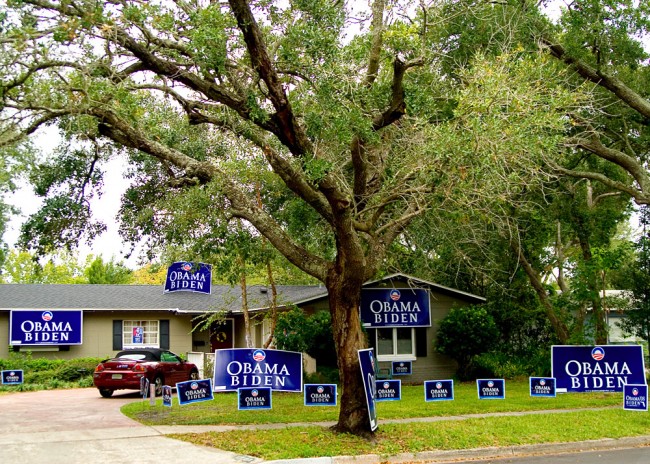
point(139, 368)
point(99, 368)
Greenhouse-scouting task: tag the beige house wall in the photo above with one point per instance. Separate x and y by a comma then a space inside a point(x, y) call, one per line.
point(97, 338)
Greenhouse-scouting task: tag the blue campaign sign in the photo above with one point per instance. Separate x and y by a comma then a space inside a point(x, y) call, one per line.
point(194, 391)
point(185, 276)
point(367, 364)
point(254, 398)
point(402, 368)
point(491, 389)
point(438, 390)
point(144, 387)
point(406, 307)
point(138, 335)
point(14, 377)
point(635, 397)
point(597, 368)
point(253, 367)
point(320, 394)
point(388, 390)
point(542, 386)
point(46, 327)
point(167, 395)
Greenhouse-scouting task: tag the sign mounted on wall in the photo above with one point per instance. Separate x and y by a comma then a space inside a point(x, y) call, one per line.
point(253, 367)
point(386, 307)
point(597, 368)
point(185, 276)
point(49, 327)
point(402, 368)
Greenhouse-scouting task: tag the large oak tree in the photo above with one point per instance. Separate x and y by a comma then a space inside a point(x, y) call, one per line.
point(348, 123)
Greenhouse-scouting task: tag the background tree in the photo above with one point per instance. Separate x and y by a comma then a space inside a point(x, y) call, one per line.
point(637, 313)
point(99, 272)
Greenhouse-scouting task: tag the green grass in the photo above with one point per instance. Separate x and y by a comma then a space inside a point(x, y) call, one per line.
point(288, 407)
point(393, 438)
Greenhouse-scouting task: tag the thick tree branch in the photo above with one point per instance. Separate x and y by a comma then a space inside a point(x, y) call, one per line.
point(291, 133)
point(611, 83)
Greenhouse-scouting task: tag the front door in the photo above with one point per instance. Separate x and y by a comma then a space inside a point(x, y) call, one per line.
point(222, 335)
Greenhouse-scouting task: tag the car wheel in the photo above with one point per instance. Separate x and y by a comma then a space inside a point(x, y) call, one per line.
point(194, 375)
point(158, 382)
point(106, 392)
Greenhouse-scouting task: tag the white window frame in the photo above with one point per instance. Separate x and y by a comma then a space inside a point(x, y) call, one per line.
point(150, 338)
point(396, 357)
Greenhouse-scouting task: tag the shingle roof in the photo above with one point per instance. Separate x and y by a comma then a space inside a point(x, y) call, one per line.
point(152, 297)
point(147, 297)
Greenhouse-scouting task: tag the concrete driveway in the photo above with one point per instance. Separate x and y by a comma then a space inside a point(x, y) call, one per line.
point(79, 426)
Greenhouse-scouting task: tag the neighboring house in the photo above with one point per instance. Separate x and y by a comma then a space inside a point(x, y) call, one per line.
point(116, 317)
point(615, 315)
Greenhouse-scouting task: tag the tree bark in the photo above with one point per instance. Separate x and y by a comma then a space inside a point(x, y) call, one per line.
point(344, 296)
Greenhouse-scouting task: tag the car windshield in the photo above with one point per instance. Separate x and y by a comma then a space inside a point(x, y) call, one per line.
point(133, 356)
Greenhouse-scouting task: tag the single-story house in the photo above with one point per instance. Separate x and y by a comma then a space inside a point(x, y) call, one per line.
point(43, 319)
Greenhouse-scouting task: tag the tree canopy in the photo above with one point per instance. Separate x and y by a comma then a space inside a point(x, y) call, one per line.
point(329, 132)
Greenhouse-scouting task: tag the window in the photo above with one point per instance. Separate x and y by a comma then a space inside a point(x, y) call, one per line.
point(140, 333)
point(395, 343)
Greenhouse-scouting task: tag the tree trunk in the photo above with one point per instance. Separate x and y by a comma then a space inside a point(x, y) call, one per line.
point(344, 298)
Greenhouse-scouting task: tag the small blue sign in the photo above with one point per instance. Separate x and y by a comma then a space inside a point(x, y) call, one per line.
point(138, 335)
point(12, 377)
point(542, 386)
point(438, 390)
point(167, 396)
point(635, 397)
point(597, 368)
point(491, 389)
point(253, 367)
point(144, 387)
point(406, 307)
point(194, 391)
point(402, 367)
point(367, 364)
point(45, 327)
point(185, 276)
point(388, 390)
point(254, 398)
point(320, 394)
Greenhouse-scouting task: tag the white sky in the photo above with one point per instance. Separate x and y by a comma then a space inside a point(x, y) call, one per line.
point(109, 244)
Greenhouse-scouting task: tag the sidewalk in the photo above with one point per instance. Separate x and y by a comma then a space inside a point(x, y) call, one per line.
point(78, 427)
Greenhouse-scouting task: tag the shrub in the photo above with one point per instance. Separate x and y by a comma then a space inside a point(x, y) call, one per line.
point(45, 374)
point(465, 333)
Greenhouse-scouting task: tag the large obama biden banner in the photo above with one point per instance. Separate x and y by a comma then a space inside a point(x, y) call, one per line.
point(404, 307)
point(254, 367)
point(596, 368)
point(46, 327)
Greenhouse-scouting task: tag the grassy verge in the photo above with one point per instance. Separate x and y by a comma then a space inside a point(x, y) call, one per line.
point(305, 442)
point(393, 438)
point(288, 407)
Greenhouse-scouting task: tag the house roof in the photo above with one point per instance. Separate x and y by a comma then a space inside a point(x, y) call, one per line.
point(145, 297)
point(151, 297)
